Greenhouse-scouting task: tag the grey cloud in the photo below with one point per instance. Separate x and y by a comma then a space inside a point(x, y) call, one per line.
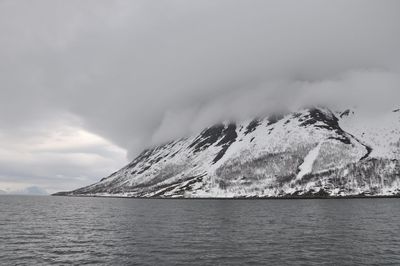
point(55, 156)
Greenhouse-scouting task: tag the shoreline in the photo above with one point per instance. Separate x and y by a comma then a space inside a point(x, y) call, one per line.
point(240, 198)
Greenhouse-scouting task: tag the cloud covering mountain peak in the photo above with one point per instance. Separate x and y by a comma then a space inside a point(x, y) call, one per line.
point(141, 73)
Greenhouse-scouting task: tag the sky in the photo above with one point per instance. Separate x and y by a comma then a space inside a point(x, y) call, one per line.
point(85, 85)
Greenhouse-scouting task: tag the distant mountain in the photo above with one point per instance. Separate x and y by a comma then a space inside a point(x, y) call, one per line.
point(32, 190)
point(314, 152)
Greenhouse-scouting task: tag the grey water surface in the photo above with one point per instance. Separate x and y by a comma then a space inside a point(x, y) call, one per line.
point(109, 231)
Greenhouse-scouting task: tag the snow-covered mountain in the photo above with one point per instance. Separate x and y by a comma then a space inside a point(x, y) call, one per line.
point(312, 152)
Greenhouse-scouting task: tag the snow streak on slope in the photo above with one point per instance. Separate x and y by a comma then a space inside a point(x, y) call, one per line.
point(312, 152)
point(307, 166)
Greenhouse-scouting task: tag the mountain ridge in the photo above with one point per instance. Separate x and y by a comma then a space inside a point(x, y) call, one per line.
point(313, 152)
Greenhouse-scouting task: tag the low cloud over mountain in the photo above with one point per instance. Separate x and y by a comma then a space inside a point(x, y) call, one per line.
point(137, 74)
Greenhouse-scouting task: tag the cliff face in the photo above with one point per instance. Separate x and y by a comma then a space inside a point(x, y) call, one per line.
point(310, 152)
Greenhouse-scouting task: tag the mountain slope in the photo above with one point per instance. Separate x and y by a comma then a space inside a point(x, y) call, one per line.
point(312, 152)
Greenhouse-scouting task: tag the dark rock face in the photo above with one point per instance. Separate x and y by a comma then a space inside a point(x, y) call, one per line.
point(222, 136)
point(324, 121)
point(229, 137)
point(274, 118)
point(345, 113)
point(252, 126)
point(207, 138)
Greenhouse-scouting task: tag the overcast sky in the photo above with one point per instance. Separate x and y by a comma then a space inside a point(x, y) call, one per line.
point(86, 84)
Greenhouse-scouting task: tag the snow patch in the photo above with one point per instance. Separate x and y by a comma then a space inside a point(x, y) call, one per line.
point(307, 165)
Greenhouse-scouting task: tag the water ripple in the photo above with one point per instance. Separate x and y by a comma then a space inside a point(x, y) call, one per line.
point(88, 231)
